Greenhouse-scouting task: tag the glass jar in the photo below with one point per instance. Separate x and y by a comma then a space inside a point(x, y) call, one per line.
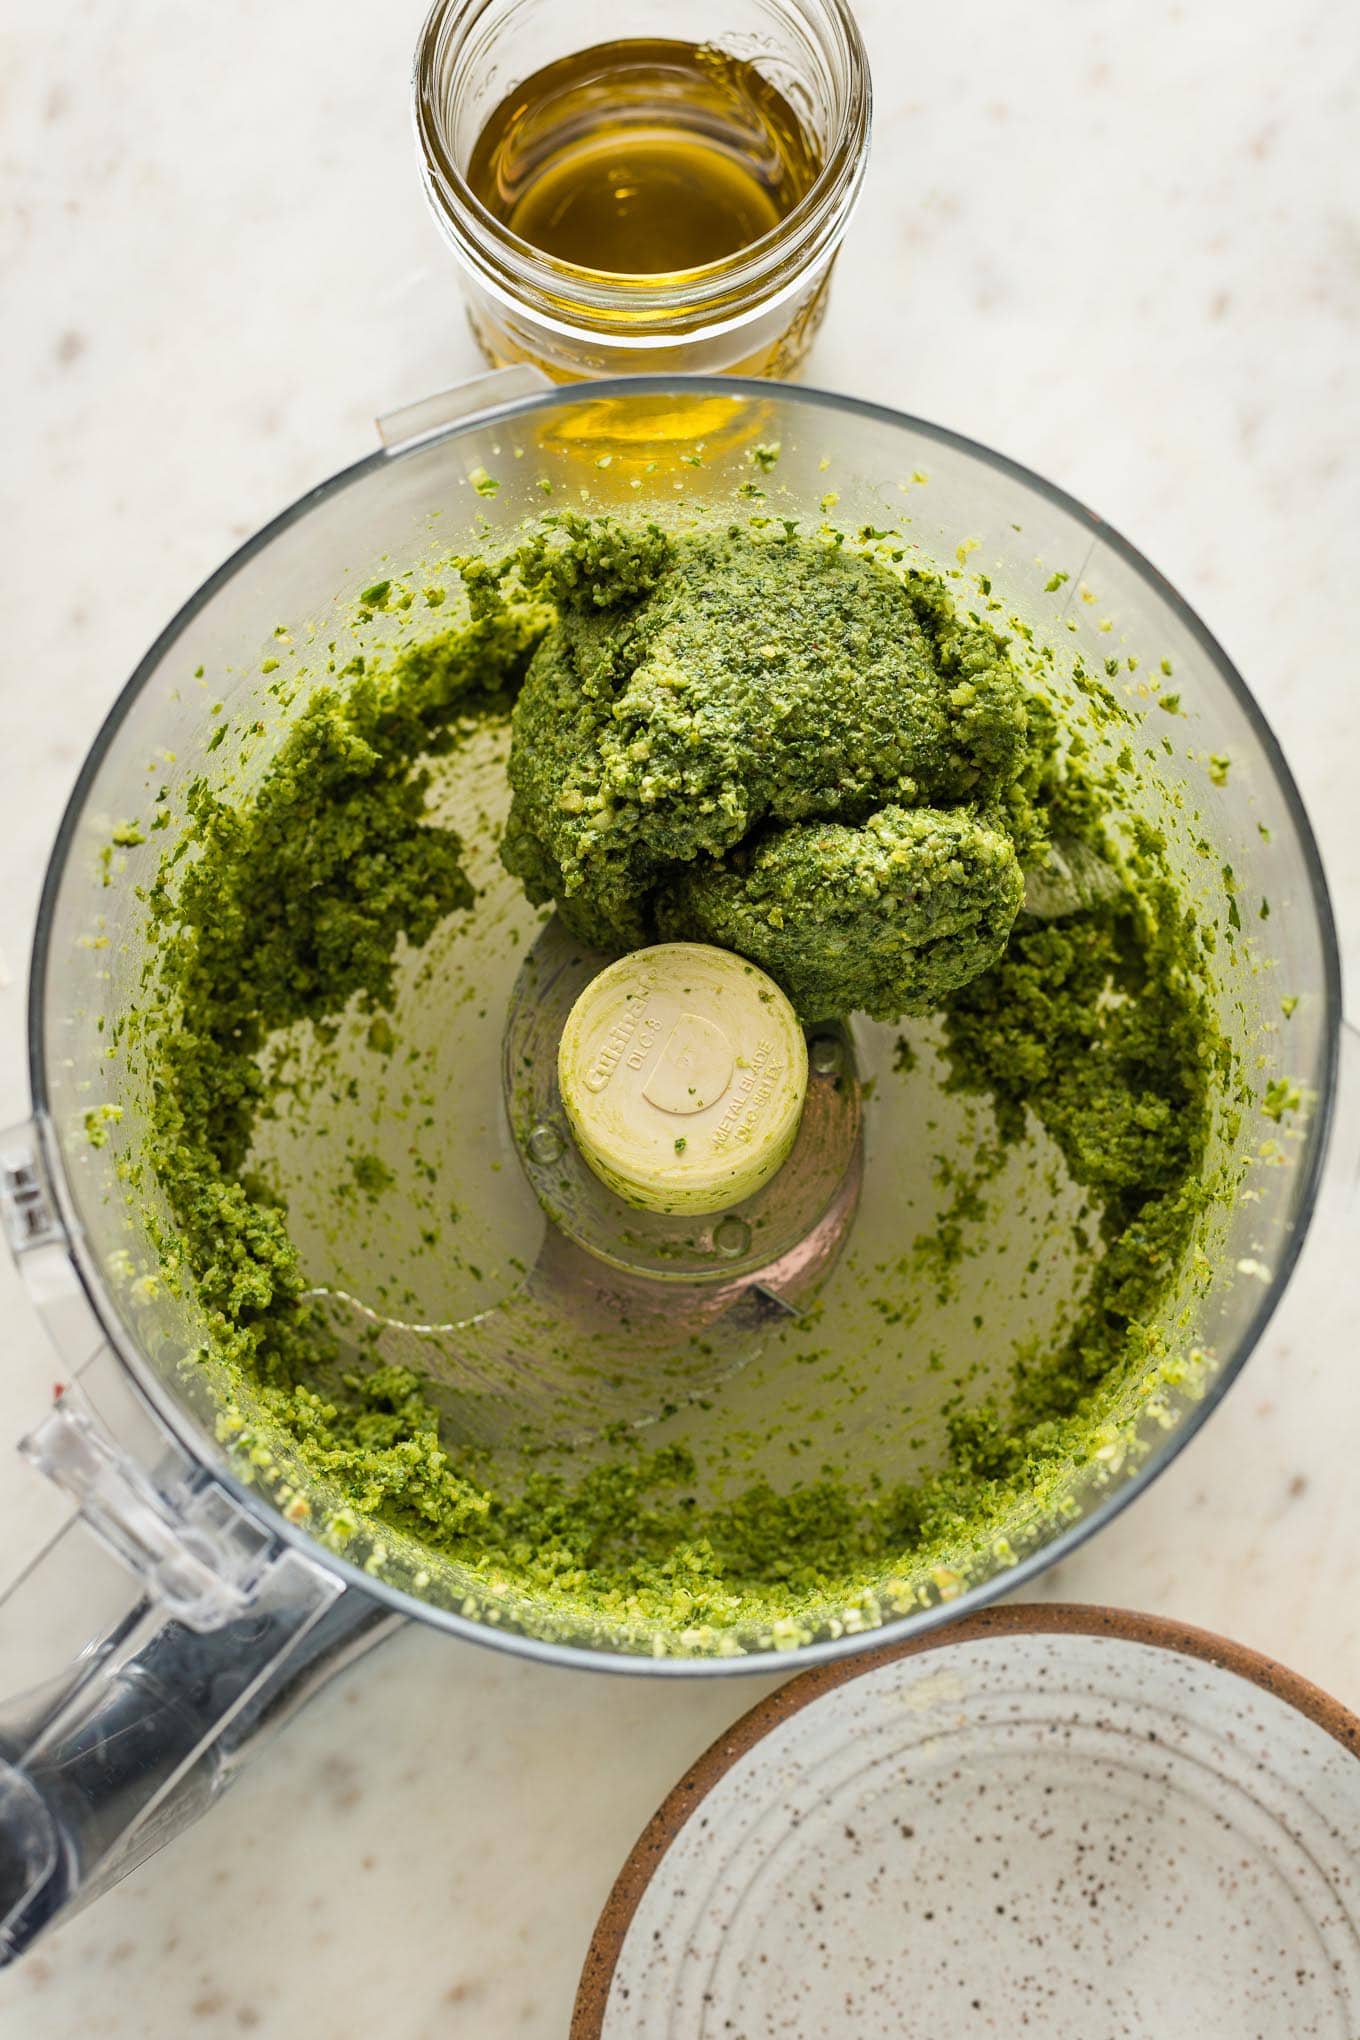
point(756, 311)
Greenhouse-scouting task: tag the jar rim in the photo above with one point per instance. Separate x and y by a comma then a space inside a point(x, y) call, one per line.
point(518, 270)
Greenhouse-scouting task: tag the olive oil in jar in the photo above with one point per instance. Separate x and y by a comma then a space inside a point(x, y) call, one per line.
point(644, 158)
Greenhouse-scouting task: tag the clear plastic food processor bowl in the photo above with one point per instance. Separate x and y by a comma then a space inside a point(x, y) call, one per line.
point(141, 1696)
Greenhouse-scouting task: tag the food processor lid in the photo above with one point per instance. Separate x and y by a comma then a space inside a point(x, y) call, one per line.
point(654, 404)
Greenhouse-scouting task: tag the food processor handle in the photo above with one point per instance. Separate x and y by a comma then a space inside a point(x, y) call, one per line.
point(137, 1702)
point(167, 1687)
point(456, 405)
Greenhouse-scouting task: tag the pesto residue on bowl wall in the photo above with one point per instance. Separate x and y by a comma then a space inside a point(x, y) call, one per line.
point(800, 746)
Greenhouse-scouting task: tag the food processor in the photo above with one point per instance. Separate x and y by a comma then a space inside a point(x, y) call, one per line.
point(567, 1311)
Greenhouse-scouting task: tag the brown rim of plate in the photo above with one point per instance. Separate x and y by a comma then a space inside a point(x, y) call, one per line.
point(1041, 1618)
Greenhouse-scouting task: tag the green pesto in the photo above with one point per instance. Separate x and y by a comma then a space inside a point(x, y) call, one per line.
point(885, 919)
point(773, 742)
point(762, 740)
point(293, 904)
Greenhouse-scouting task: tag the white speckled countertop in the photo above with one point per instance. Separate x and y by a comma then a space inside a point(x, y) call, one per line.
point(1118, 238)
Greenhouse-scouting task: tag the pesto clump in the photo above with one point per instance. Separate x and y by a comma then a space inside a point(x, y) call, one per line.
point(886, 919)
point(770, 742)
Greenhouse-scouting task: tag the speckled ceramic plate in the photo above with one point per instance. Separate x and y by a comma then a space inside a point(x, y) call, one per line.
point(1058, 1821)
